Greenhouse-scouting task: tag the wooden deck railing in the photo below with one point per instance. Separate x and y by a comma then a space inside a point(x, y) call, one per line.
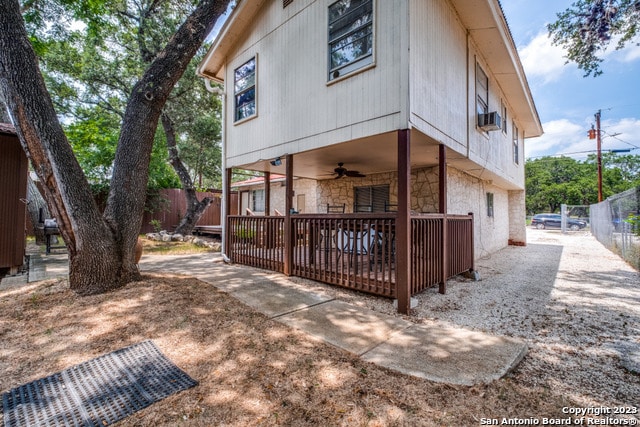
point(460, 244)
point(426, 252)
point(356, 251)
point(257, 241)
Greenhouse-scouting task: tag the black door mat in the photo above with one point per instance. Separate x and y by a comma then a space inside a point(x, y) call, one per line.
point(98, 392)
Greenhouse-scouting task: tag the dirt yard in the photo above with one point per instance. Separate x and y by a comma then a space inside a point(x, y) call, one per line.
point(252, 371)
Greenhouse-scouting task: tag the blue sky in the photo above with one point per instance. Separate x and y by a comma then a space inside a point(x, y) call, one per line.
point(566, 100)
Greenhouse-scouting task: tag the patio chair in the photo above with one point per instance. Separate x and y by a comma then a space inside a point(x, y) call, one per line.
point(356, 243)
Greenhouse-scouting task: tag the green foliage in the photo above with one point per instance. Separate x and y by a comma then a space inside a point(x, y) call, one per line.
point(634, 220)
point(94, 135)
point(156, 224)
point(552, 181)
point(245, 233)
point(587, 27)
point(92, 52)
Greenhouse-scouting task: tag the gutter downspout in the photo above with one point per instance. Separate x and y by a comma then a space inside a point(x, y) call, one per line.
point(468, 104)
point(223, 150)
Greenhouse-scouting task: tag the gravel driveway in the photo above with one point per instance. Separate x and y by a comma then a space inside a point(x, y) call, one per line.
point(575, 303)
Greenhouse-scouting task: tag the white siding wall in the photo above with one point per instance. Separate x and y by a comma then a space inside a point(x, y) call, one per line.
point(493, 148)
point(297, 109)
point(442, 91)
point(468, 194)
point(438, 73)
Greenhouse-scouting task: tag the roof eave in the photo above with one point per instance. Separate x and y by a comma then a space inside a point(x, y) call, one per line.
point(241, 18)
point(502, 57)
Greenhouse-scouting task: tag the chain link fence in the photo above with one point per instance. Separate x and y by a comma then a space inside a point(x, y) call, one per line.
point(615, 222)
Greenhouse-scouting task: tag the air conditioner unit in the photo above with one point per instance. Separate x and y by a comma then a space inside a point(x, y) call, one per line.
point(490, 121)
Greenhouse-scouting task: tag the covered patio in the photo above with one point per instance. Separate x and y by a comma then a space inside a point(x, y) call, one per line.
point(395, 253)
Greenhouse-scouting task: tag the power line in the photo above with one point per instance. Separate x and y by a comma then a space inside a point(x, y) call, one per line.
point(560, 155)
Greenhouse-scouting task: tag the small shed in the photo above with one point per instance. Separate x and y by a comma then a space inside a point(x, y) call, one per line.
point(13, 190)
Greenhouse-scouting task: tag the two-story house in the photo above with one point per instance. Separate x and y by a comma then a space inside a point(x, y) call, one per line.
point(397, 110)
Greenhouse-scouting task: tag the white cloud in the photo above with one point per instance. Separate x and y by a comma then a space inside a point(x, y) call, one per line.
point(621, 134)
point(559, 136)
point(630, 52)
point(570, 138)
point(542, 59)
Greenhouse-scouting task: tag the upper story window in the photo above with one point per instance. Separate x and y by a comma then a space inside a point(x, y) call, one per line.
point(482, 91)
point(516, 145)
point(350, 36)
point(244, 88)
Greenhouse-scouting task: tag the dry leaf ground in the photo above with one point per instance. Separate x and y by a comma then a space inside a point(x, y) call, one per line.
point(254, 371)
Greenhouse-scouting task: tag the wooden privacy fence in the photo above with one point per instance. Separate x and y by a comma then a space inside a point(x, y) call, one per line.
point(356, 251)
point(172, 206)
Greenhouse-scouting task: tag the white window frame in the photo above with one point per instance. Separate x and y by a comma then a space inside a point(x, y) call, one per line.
point(516, 144)
point(490, 204)
point(245, 89)
point(361, 62)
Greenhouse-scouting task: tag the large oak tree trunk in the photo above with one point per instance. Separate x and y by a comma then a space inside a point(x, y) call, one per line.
point(195, 207)
point(101, 247)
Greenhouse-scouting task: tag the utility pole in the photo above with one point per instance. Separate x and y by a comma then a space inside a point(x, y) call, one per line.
point(599, 141)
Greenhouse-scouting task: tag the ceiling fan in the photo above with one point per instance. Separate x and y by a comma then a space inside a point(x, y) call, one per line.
point(341, 171)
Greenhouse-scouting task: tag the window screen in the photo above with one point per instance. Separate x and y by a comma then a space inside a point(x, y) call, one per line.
point(372, 198)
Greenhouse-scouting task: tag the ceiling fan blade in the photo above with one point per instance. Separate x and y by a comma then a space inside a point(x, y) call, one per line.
point(354, 174)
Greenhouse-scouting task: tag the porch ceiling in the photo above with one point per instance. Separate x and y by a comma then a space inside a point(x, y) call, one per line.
point(371, 155)
point(374, 155)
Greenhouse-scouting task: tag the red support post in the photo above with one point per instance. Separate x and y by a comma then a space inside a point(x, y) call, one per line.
point(442, 207)
point(227, 211)
point(403, 224)
point(267, 193)
point(289, 235)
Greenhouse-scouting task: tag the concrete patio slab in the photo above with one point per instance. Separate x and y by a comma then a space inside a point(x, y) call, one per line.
point(43, 267)
point(274, 300)
point(447, 354)
point(349, 327)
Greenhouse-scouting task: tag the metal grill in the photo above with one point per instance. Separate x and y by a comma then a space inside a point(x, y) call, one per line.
point(98, 392)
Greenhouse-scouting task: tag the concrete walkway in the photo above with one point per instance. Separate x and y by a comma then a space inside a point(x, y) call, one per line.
point(435, 351)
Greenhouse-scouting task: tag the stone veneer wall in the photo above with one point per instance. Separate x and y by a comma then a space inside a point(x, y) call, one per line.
point(465, 194)
point(300, 186)
point(424, 190)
